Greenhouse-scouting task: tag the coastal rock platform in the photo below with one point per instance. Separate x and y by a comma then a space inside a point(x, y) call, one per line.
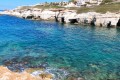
point(6, 74)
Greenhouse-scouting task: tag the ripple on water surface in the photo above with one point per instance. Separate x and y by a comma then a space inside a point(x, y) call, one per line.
point(82, 51)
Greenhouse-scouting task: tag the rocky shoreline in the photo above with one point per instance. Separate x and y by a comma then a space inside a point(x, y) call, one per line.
point(36, 74)
point(29, 74)
point(68, 16)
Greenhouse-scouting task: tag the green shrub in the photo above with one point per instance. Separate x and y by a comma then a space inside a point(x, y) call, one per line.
point(106, 1)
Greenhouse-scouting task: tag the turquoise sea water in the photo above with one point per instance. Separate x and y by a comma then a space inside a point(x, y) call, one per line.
point(82, 51)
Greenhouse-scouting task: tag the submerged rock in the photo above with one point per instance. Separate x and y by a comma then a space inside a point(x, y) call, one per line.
point(15, 65)
point(46, 75)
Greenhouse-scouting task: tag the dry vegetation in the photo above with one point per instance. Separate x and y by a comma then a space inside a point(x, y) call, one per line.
point(46, 6)
point(111, 7)
point(106, 5)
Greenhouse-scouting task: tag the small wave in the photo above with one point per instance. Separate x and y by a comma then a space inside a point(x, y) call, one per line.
point(58, 74)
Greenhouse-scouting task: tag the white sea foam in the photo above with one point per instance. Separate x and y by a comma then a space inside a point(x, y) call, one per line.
point(58, 74)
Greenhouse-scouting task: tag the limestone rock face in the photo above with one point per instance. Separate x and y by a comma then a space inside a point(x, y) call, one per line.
point(46, 15)
point(65, 16)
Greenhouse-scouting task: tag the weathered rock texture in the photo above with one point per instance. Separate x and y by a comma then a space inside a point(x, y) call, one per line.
point(6, 74)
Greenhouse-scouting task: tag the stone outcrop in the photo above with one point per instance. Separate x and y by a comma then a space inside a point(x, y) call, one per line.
point(6, 74)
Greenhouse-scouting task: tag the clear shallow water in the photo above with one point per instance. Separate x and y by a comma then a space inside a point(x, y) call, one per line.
point(83, 51)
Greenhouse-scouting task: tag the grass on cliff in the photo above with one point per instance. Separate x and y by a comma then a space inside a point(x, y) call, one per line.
point(42, 7)
point(106, 5)
point(106, 1)
point(103, 8)
point(46, 6)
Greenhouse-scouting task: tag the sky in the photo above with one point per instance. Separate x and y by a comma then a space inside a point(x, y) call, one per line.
point(11, 4)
